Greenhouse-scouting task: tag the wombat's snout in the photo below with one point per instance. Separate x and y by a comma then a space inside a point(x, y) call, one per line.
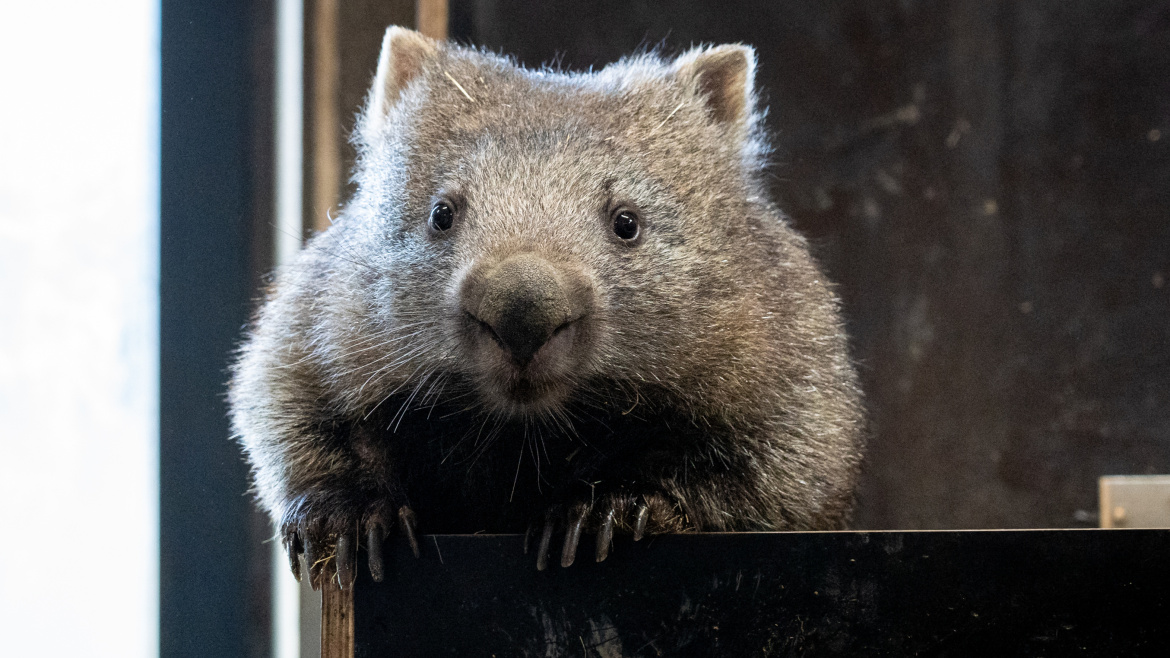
point(522, 302)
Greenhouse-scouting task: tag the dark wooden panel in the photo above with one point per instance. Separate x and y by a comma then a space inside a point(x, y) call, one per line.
point(989, 182)
point(995, 593)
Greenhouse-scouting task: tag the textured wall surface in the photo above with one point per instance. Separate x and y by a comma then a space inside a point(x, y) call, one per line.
point(989, 183)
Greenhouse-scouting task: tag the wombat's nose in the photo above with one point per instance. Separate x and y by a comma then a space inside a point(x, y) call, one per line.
point(523, 304)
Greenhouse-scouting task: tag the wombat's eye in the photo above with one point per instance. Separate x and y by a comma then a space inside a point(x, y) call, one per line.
point(442, 214)
point(625, 224)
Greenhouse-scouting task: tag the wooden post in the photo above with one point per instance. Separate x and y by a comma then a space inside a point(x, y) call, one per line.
point(323, 135)
point(336, 621)
point(342, 40)
point(431, 18)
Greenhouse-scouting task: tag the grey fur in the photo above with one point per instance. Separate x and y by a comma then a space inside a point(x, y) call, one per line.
point(709, 380)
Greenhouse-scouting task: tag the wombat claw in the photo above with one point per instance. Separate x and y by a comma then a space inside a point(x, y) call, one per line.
point(406, 516)
point(545, 540)
point(580, 518)
point(298, 541)
point(374, 536)
point(573, 534)
point(640, 521)
point(376, 532)
point(605, 536)
point(345, 557)
point(294, 555)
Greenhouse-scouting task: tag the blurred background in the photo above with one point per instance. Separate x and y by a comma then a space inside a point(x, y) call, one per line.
point(79, 302)
point(988, 182)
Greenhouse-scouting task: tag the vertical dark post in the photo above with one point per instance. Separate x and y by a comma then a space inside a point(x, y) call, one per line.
point(215, 193)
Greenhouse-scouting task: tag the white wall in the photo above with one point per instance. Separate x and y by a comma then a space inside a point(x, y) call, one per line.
point(78, 328)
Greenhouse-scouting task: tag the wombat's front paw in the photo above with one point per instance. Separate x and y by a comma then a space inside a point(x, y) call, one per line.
point(327, 534)
point(621, 511)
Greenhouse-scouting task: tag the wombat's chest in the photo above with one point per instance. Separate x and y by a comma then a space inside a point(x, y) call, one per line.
point(464, 473)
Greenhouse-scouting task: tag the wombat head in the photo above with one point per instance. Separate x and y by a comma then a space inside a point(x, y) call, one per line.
point(536, 232)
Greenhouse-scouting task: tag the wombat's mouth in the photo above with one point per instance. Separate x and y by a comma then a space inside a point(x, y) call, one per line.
point(529, 392)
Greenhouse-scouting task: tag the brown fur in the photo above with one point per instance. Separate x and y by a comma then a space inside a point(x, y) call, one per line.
point(704, 373)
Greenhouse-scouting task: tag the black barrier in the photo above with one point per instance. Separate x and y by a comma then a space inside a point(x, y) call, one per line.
point(972, 593)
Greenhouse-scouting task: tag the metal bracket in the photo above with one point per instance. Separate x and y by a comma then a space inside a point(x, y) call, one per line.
point(1134, 501)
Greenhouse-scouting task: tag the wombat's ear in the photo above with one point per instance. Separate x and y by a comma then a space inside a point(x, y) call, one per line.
point(404, 55)
point(725, 76)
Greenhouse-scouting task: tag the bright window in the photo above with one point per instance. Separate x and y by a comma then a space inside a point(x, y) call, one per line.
point(78, 328)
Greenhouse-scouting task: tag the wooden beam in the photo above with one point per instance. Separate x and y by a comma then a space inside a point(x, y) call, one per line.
point(431, 18)
point(341, 52)
point(336, 621)
point(322, 113)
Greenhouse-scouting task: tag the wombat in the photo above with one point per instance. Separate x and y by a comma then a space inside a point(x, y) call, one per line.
point(557, 302)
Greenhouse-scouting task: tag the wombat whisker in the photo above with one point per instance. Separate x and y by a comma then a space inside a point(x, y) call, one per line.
point(562, 420)
point(491, 437)
point(467, 435)
point(396, 420)
point(440, 380)
point(360, 350)
point(606, 401)
point(541, 446)
point(396, 353)
point(399, 359)
point(454, 447)
point(390, 394)
point(481, 438)
point(356, 346)
point(355, 261)
point(391, 368)
point(516, 477)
